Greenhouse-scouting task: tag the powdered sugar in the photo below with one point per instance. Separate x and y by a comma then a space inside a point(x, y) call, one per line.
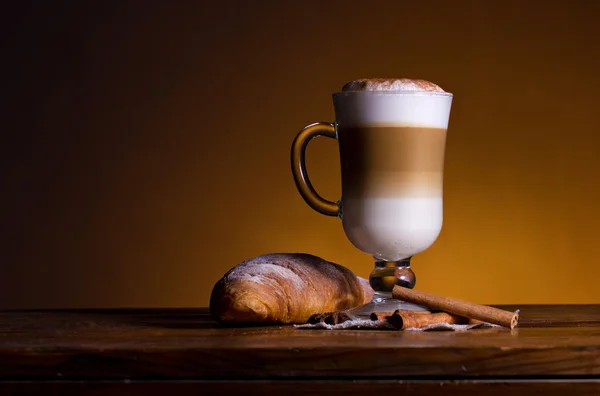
point(297, 268)
point(263, 272)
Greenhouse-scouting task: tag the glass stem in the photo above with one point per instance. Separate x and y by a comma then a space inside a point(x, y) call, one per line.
point(388, 274)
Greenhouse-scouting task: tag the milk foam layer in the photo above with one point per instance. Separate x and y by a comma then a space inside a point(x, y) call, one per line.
point(392, 228)
point(392, 84)
point(408, 108)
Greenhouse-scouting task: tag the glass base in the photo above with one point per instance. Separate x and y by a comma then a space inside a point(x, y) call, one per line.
point(383, 302)
point(384, 277)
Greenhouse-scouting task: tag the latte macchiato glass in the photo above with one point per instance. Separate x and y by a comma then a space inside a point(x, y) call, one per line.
point(391, 143)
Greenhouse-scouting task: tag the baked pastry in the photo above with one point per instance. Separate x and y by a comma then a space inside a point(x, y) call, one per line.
point(286, 288)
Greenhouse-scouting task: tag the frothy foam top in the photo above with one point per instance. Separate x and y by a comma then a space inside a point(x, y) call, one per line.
point(392, 102)
point(391, 84)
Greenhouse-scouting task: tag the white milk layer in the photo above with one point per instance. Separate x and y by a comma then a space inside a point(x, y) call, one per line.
point(421, 109)
point(392, 228)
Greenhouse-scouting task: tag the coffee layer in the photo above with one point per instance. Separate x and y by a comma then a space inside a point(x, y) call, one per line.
point(392, 161)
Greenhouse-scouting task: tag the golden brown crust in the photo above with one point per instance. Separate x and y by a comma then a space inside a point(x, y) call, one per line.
point(286, 288)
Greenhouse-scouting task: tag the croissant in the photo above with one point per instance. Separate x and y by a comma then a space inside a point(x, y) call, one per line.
point(285, 288)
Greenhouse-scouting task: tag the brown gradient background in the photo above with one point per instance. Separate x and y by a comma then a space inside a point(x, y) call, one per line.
point(146, 149)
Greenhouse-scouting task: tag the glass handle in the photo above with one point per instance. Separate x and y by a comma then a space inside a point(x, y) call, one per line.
point(303, 184)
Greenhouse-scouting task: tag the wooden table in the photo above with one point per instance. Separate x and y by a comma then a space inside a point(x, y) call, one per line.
point(555, 351)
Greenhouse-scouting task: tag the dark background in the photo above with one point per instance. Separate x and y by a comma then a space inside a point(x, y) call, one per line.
point(145, 148)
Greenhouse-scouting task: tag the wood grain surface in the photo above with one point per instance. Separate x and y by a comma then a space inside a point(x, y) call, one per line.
point(141, 348)
point(287, 388)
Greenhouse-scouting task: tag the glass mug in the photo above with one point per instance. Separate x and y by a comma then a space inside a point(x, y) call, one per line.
point(391, 146)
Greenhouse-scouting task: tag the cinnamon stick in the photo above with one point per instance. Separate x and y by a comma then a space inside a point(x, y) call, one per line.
point(405, 320)
point(331, 318)
point(380, 315)
point(387, 315)
point(458, 307)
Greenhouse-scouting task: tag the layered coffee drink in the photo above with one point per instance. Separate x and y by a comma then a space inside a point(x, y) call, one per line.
point(392, 136)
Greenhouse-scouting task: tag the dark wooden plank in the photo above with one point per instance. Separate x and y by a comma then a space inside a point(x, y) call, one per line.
point(557, 315)
point(530, 316)
point(277, 388)
point(188, 344)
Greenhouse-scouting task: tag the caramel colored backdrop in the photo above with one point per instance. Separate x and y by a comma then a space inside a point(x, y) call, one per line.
point(147, 144)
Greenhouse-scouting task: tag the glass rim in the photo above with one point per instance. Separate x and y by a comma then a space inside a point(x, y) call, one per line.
point(394, 93)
